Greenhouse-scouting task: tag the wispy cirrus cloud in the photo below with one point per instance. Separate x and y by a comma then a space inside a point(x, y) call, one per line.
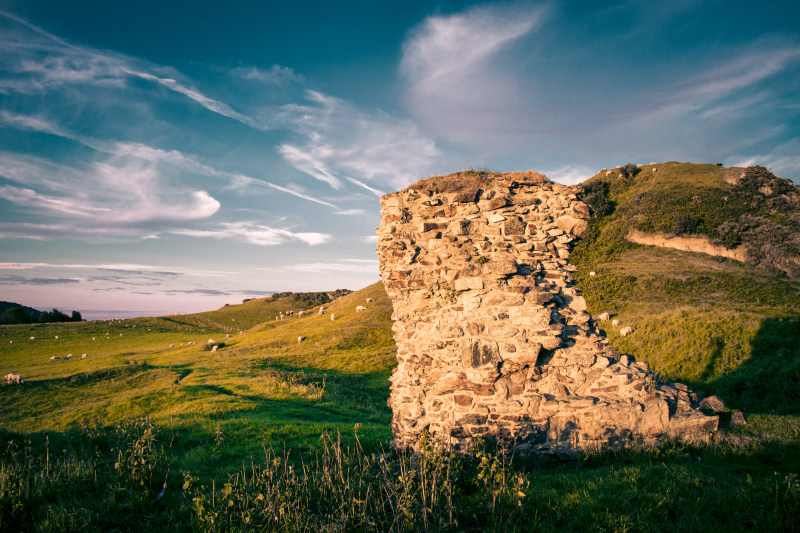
point(341, 142)
point(368, 266)
point(454, 81)
point(253, 233)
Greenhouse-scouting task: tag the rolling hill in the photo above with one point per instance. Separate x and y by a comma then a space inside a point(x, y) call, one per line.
point(723, 326)
point(151, 410)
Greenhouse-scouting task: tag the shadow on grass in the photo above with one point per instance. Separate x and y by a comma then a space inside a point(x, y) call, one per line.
point(769, 381)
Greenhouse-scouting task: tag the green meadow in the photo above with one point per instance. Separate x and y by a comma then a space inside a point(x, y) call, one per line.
point(154, 431)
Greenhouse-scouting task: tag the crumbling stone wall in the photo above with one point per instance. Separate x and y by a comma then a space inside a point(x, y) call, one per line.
point(493, 338)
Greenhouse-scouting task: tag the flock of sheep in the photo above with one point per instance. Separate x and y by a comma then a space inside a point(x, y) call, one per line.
point(14, 377)
point(625, 331)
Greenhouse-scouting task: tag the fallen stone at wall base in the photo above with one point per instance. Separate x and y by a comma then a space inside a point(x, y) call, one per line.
point(493, 338)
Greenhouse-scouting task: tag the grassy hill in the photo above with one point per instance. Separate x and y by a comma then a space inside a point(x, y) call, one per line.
point(154, 431)
point(261, 388)
point(723, 326)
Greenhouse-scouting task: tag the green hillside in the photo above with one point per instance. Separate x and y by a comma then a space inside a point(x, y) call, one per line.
point(723, 326)
point(273, 432)
point(262, 387)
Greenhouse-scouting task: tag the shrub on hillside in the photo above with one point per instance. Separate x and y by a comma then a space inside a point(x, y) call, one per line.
point(685, 223)
point(595, 194)
point(629, 170)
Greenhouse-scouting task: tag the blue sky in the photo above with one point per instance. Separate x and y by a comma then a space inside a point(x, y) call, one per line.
point(162, 157)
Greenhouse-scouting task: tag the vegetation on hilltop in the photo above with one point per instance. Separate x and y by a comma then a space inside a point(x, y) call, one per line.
point(23, 315)
point(731, 206)
point(724, 327)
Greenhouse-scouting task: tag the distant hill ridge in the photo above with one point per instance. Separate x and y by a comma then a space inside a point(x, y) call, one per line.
point(30, 311)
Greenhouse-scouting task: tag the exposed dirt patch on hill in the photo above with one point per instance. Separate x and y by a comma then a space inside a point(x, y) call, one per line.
point(694, 243)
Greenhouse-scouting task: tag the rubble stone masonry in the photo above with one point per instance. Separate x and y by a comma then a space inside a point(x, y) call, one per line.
point(493, 338)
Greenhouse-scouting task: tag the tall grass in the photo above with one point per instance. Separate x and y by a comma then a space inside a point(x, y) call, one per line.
point(125, 478)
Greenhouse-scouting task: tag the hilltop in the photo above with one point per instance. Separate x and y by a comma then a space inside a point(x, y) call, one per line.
point(726, 326)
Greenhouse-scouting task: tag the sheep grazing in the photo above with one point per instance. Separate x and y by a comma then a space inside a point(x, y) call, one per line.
point(322, 310)
point(228, 336)
point(300, 339)
point(369, 300)
point(627, 330)
point(301, 313)
point(56, 337)
point(333, 316)
point(54, 357)
point(33, 338)
point(83, 356)
point(360, 308)
point(616, 322)
point(592, 273)
point(604, 316)
point(13, 377)
point(94, 338)
point(214, 348)
point(171, 345)
point(69, 356)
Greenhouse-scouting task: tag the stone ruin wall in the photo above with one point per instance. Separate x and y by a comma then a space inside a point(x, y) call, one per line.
point(493, 338)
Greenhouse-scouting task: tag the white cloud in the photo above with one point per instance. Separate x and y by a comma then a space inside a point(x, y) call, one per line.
point(276, 75)
point(256, 234)
point(344, 142)
point(350, 212)
point(455, 85)
point(212, 105)
point(570, 174)
point(361, 266)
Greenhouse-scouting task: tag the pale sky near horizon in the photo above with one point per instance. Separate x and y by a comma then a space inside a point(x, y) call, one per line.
point(174, 156)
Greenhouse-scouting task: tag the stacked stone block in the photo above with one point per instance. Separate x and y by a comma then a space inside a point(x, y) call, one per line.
point(493, 338)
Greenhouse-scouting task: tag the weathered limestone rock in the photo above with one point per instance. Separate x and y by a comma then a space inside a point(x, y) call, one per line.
point(493, 338)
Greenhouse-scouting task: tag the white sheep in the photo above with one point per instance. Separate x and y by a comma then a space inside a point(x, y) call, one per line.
point(333, 316)
point(94, 338)
point(69, 356)
point(360, 308)
point(171, 345)
point(592, 273)
point(54, 357)
point(616, 322)
point(83, 356)
point(300, 339)
point(369, 300)
point(301, 313)
point(627, 330)
point(13, 377)
point(215, 348)
point(56, 337)
point(33, 338)
point(604, 316)
point(322, 310)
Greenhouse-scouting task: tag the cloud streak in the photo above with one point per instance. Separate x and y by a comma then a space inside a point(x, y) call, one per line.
point(258, 234)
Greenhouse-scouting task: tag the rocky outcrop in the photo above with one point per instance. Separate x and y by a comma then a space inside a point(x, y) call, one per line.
point(687, 243)
point(493, 338)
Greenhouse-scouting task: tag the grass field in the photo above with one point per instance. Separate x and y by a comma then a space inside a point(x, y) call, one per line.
point(262, 387)
point(153, 432)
